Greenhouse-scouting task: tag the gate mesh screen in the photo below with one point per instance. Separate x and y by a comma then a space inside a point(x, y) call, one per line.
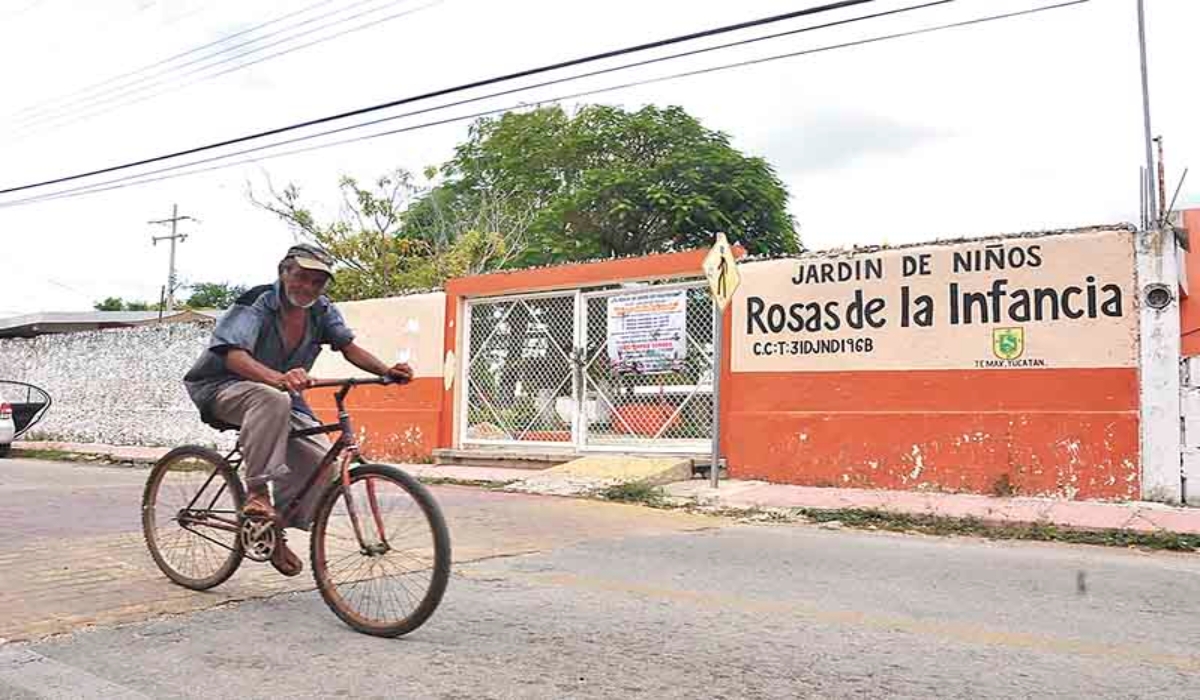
point(520, 376)
point(664, 410)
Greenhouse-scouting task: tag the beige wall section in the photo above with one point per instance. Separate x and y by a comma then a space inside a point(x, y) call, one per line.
point(388, 327)
point(1087, 274)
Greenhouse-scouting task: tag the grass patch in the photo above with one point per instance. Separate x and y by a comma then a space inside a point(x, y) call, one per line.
point(634, 492)
point(52, 455)
point(973, 527)
point(450, 481)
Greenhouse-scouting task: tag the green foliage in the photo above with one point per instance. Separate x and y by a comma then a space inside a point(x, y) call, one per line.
point(634, 492)
point(119, 304)
point(969, 526)
point(376, 256)
point(542, 187)
point(608, 182)
point(214, 295)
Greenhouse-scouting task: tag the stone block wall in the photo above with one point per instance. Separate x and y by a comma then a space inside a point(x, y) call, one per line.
point(119, 387)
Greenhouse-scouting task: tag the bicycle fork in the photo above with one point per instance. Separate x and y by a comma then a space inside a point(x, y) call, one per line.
point(370, 544)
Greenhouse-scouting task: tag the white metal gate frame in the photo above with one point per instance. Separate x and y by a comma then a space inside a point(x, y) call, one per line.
point(579, 375)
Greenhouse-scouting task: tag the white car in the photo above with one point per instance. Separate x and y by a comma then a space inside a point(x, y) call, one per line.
point(7, 429)
point(21, 407)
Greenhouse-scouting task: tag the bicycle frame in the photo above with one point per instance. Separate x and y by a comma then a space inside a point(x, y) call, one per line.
point(343, 451)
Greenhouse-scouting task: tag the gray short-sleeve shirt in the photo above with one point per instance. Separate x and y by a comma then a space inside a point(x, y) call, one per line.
point(254, 324)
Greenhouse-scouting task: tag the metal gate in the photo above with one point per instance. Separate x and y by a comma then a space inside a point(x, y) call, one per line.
point(539, 371)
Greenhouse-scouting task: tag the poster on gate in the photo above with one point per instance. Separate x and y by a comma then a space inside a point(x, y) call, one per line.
point(647, 331)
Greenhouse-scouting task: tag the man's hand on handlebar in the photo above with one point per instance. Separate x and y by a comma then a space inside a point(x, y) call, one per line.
point(295, 380)
point(400, 373)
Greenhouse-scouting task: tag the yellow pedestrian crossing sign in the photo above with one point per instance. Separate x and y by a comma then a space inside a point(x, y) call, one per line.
point(720, 267)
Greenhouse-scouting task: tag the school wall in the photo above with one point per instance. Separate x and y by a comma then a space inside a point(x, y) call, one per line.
point(904, 391)
point(395, 423)
point(827, 379)
point(1189, 394)
point(1189, 308)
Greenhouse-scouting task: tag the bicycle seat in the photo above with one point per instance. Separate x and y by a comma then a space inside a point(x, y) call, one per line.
point(222, 426)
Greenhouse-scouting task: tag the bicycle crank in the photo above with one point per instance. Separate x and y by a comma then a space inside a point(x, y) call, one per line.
point(258, 538)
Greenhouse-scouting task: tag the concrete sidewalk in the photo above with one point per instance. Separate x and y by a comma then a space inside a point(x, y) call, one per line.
point(1133, 516)
point(1097, 515)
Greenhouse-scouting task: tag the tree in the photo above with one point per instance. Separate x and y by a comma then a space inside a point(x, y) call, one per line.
point(376, 254)
point(214, 295)
point(119, 304)
point(607, 182)
point(541, 187)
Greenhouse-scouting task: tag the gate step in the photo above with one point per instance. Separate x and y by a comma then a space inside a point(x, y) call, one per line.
point(507, 459)
point(535, 460)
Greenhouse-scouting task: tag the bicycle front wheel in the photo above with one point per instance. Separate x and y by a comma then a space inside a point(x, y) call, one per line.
point(190, 517)
point(389, 577)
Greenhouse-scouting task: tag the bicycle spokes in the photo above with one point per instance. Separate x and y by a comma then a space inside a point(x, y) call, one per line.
point(190, 517)
point(382, 560)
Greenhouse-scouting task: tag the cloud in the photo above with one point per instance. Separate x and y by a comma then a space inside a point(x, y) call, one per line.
point(831, 140)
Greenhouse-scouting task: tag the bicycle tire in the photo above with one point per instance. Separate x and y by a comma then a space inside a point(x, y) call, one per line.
point(438, 566)
point(216, 465)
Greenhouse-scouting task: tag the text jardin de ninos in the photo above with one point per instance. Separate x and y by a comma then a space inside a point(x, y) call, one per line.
point(998, 303)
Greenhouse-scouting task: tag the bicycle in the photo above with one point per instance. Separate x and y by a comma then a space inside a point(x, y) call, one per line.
point(198, 536)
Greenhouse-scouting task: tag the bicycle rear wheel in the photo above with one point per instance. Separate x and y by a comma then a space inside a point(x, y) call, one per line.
point(190, 513)
point(393, 585)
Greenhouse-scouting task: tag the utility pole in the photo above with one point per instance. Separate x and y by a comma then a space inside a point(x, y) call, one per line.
point(1152, 205)
point(174, 220)
point(1162, 181)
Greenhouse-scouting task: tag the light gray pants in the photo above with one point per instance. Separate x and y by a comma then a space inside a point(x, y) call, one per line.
point(265, 414)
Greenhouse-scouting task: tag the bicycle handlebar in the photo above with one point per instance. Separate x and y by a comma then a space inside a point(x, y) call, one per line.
point(353, 381)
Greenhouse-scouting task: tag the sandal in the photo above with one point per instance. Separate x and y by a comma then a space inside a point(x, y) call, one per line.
point(259, 507)
point(285, 560)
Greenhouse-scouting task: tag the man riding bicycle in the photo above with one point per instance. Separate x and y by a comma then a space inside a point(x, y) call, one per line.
point(251, 375)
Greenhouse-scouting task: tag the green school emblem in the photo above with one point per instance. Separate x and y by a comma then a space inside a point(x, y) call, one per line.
point(1008, 343)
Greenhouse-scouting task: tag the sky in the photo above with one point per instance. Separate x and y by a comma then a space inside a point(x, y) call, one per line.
point(1031, 123)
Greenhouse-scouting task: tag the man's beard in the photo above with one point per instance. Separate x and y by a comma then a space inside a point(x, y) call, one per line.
point(292, 300)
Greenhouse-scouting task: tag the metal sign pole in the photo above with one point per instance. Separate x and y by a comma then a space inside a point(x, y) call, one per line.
point(718, 342)
point(720, 267)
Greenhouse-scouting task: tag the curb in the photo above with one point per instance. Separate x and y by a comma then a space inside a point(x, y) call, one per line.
point(97, 458)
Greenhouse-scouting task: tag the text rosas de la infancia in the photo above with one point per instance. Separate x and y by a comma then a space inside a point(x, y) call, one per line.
point(998, 302)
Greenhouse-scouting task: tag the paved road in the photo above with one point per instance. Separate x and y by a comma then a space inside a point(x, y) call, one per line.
point(557, 598)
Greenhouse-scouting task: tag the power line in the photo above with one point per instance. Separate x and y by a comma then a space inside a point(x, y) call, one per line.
point(132, 87)
point(85, 90)
point(69, 289)
point(74, 114)
point(841, 4)
point(24, 10)
point(555, 81)
point(141, 179)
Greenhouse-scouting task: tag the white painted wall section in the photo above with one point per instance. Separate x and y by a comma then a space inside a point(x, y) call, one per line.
point(1158, 264)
